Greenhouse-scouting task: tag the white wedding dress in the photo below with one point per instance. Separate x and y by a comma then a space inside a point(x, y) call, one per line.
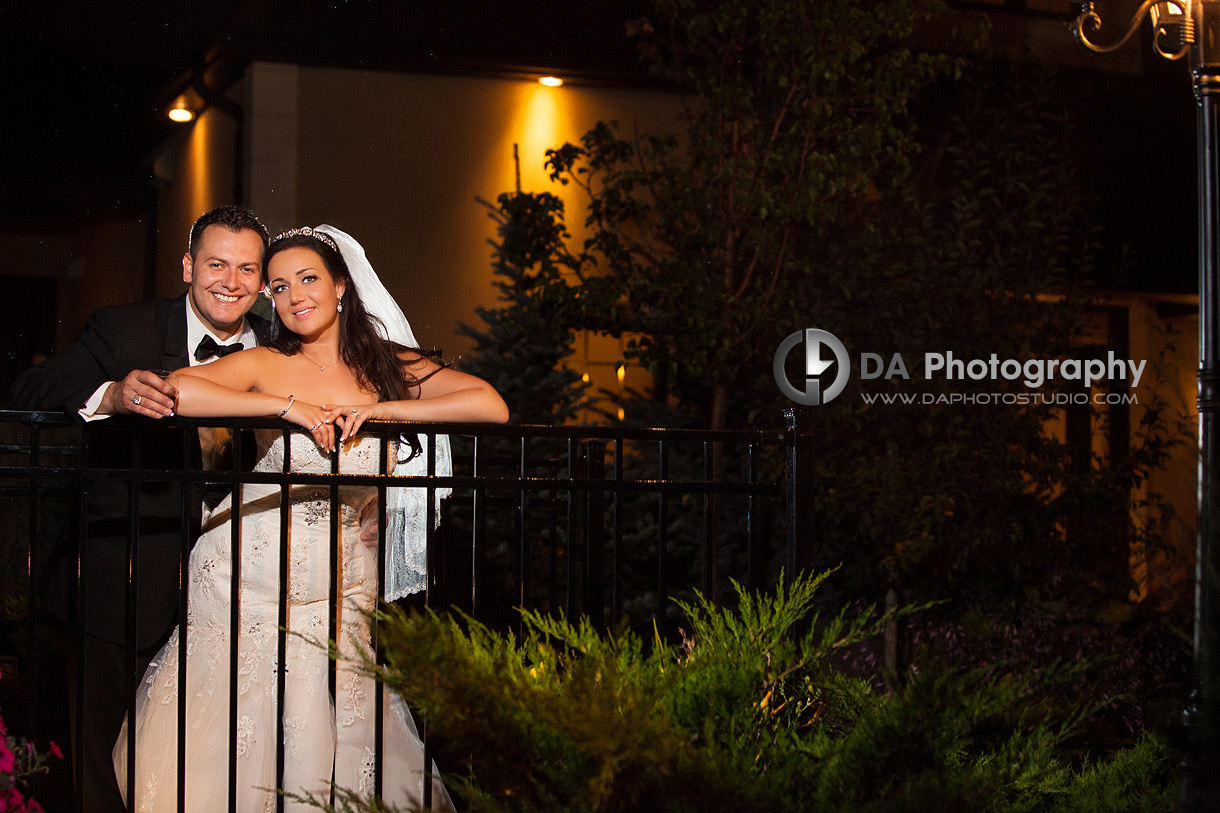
point(321, 734)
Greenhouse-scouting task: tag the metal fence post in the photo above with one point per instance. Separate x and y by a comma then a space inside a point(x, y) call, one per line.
point(800, 489)
point(595, 534)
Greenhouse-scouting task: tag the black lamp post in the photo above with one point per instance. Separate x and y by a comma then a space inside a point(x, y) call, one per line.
point(1194, 25)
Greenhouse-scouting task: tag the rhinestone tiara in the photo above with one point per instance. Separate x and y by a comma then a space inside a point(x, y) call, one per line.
point(308, 232)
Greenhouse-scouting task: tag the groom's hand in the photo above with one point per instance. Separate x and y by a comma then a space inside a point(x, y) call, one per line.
point(370, 519)
point(141, 392)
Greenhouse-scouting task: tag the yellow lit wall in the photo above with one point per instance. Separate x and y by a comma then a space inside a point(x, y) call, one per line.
point(399, 161)
point(197, 172)
point(1168, 340)
point(1161, 330)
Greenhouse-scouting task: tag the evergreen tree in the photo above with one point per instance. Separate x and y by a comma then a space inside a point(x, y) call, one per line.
point(526, 340)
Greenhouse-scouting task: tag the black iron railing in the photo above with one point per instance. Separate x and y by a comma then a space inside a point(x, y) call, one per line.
point(612, 523)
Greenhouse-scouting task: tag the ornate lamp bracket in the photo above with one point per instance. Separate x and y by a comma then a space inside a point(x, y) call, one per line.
point(1089, 19)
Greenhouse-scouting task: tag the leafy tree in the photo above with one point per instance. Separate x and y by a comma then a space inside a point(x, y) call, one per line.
point(979, 253)
point(796, 197)
point(986, 249)
point(700, 243)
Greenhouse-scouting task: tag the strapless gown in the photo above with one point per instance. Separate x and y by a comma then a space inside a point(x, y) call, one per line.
point(321, 733)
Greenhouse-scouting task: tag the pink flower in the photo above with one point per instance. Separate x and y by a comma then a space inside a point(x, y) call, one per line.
point(12, 801)
point(55, 750)
point(6, 758)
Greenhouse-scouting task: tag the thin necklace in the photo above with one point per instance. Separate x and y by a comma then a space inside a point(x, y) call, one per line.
point(321, 367)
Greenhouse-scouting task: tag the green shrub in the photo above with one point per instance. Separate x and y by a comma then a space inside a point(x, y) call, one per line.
point(748, 712)
point(1135, 779)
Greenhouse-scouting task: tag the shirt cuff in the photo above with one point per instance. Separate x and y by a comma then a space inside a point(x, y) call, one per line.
point(89, 411)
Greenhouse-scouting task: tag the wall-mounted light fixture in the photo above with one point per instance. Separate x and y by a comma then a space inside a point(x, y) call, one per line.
point(180, 111)
point(551, 81)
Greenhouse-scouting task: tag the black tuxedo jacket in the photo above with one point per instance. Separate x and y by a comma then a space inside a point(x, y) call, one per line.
point(114, 341)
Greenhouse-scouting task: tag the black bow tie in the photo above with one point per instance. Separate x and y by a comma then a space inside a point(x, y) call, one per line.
point(208, 348)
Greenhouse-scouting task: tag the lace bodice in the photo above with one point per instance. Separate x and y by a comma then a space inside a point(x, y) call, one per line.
point(360, 457)
point(406, 530)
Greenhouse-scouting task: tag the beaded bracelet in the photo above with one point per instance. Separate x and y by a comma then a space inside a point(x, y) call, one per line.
point(284, 411)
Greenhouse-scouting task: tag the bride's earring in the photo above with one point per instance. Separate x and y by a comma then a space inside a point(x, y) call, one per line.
point(339, 307)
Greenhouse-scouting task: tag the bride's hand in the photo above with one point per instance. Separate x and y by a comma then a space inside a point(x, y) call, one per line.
point(315, 420)
point(349, 417)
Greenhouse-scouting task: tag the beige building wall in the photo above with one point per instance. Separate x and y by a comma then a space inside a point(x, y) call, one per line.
point(400, 162)
point(56, 255)
point(99, 264)
point(196, 173)
point(110, 269)
point(1164, 330)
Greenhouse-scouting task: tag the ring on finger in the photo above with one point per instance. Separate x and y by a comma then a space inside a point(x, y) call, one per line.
point(315, 426)
point(136, 399)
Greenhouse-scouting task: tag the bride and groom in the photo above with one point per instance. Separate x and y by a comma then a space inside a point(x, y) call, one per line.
point(337, 352)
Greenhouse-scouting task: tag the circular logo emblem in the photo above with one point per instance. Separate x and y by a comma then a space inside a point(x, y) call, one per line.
point(815, 365)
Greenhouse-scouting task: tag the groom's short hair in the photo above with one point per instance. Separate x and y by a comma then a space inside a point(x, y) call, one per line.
point(233, 218)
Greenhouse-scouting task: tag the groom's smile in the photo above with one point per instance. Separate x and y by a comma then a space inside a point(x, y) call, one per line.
point(224, 277)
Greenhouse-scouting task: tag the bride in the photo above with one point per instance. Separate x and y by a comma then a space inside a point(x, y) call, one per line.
point(340, 352)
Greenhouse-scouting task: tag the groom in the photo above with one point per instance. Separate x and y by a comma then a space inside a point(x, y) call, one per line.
point(105, 372)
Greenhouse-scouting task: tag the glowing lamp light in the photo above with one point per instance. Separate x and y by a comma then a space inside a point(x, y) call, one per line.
point(551, 81)
point(1163, 10)
point(180, 112)
point(621, 371)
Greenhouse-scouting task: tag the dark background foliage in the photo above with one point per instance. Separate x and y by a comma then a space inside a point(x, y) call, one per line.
point(802, 193)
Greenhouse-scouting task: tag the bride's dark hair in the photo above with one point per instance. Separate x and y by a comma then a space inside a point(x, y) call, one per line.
point(373, 359)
